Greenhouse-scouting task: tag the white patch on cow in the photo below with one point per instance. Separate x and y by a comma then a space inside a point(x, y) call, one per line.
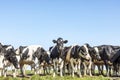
point(17, 51)
point(18, 57)
point(52, 48)
point(96, 49)
point(9, 47)
point(85, 46)
point(48, 52)
point(60, 60)
point(1, 61)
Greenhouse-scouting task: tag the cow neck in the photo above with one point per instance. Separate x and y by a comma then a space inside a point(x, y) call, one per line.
point(60, 52)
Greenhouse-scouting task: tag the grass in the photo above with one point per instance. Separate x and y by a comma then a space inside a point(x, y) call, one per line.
point(49, 77)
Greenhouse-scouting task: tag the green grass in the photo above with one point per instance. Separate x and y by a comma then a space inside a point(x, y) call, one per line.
point(49, 77)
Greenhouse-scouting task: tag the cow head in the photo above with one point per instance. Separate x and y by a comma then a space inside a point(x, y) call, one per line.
point(60, 44)
point(96, 54)
point(84, 51)
point(10, 55)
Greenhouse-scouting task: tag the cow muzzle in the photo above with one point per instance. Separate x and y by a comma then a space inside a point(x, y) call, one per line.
point(87, 57)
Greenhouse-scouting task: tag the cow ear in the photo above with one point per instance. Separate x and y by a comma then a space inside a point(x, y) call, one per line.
point(65, 41)
point(54, 41)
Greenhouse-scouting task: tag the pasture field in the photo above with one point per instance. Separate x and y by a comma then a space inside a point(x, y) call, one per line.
point(49, 77)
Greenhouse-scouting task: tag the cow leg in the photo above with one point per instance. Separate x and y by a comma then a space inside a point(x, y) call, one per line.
point(61, 68)
point(93, 69)
point(72, 65)
point(78, 71)
point(99, 69)
point(5, 71)
point(102, 69)
point(107, 68)
point(54, 68)
point(85, 68)
point(22, 70)
point(14, 72)
point(64, 68)
point(37, 69)
point(115, 69)
point(69, 69)
point(76, 68)
point(89, 68)
point(118, 69)
point(110, 70)
point(0, 72)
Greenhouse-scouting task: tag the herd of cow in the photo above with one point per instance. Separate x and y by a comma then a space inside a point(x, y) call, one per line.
point(61, 59)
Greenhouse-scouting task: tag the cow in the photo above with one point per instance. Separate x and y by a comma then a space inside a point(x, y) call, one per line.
point(34, 54)
point(76, 55)
point(2, 51)
point(56, 55)
point(86, 62)
point(9, 60)
point(18, 52)
point(107, 53)
point(72, 58)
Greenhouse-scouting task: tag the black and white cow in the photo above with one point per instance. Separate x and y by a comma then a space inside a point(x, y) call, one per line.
point(99, 63)
point(90, 54)
point(34, 54)
point(2, 51)
point(56, 53)
point(86, 62)
point(107, 53)
point(116, 61)
point(72, 58)
point(9, 60)
point(18, 52)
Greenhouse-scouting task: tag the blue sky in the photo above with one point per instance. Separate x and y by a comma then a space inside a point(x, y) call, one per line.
point(29, 22)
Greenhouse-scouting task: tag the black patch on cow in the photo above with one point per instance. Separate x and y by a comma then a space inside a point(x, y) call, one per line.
point(25, 55)
point(74, 52)
point(115, 57)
